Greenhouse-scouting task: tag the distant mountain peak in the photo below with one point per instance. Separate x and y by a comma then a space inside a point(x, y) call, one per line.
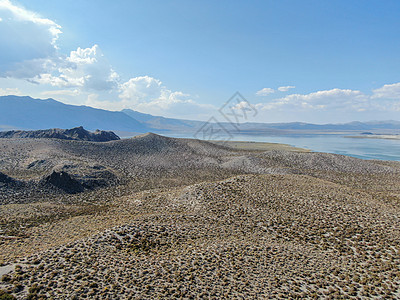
point(26, 113)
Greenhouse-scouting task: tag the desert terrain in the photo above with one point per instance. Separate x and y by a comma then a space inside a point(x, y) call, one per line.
point(153, 217)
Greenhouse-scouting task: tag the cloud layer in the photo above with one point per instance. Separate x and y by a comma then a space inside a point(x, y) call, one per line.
point(388, 91)
point(87, 69)
point(29, 52)
point(343, 104)
point(30, 44)
point(148, 94)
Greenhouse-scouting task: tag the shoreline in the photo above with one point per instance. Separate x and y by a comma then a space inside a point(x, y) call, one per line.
point(259, 146)
point(376, 136)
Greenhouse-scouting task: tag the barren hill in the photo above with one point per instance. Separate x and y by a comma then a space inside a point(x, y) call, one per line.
point(157, 217)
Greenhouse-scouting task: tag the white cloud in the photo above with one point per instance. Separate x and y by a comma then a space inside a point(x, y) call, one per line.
point(265, 92)
point(335, 105)
point(388, 91)
point(148, 90)
point(10, 91)
point(29, 41)
point(22, 14)
point(85, 68)
point(327, 99)
point(141, 89)
point(285, 88)
point(148, 95)
point(30, 52)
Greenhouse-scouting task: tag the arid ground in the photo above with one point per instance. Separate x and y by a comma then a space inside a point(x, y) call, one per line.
point(154, 217)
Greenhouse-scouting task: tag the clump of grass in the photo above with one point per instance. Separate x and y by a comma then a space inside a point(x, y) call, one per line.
point(6, 296)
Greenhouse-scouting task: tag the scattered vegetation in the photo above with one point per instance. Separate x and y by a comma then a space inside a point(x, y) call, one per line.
point(189, 219)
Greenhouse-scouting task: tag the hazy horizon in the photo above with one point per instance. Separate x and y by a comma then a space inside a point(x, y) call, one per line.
point(204, 120)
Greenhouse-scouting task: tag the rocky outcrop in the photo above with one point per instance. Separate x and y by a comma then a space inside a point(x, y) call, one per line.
point(77, 133)
point(64, 181)
point(74, 179)
point(5, 179)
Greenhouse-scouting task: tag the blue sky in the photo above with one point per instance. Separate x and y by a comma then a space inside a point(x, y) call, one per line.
point(311, 61)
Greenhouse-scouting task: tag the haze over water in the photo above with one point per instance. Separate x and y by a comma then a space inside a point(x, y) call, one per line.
point(381, 149)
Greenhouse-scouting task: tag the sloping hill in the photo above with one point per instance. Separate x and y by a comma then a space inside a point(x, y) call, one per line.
point(153, 161)
point(28, 113)
point(156, 217)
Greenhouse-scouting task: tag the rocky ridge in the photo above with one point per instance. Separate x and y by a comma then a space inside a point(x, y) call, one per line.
point(77, 133)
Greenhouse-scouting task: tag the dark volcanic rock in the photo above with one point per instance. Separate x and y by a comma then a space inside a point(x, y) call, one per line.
point(5, 179)
point(64, 181)
point(37, 164)
point(74, 180)
point(104, 136)
point(77, 133)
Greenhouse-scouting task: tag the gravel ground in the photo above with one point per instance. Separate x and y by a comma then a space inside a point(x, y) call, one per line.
point(188, 219)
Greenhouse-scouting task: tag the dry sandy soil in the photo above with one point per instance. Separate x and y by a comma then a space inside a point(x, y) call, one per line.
point(155, 217)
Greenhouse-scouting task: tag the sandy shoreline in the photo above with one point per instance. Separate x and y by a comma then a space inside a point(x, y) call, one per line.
point(260, 146)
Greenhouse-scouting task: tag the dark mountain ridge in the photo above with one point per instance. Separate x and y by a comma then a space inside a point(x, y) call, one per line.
point(77, 133)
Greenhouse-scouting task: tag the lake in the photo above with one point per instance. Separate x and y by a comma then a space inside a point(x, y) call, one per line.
point(361, 148)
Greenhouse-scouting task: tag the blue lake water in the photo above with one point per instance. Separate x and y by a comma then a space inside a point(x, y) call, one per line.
point(361, 148)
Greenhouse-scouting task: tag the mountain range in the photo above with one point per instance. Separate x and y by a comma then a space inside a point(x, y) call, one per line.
point(26, 113)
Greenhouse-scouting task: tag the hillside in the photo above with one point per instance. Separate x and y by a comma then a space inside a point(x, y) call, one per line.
point(153, 216)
